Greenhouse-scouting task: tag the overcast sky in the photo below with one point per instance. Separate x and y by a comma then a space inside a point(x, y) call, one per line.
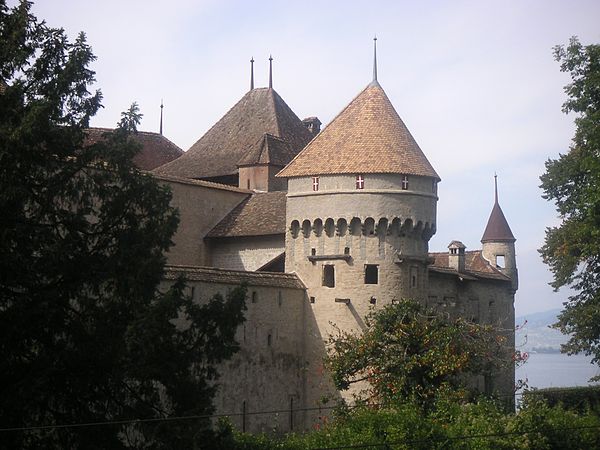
point(474, 81)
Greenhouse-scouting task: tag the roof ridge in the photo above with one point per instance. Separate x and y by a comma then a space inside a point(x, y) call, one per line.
point(325, 128)
point(274, 93)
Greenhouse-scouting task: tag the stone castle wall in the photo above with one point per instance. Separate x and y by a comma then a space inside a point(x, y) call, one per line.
point(201, 207)
point(245, 253)
point(268, 373)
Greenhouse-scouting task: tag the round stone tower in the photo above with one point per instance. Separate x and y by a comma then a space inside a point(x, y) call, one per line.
point(498, 242)
point(361, 208)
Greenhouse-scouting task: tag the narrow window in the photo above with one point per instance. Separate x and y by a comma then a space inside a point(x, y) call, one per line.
point(254, 296)
point(193, 293)
point(371, 273)
point(414, 277)
point(248, 183)
point(500, 262)
point(405, 182)
point(279, 298)
point(269, 339)
point(346, 250)
point(313, 251)
point(360, 182)
point(315, 183)
point(329, 275)
point(312, 299)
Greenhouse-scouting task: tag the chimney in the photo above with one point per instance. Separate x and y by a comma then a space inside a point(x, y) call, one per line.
point(456, 257)
point(313, 124)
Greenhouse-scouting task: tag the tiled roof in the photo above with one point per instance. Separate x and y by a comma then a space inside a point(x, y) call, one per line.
point(368, 136)
point(218, 152)
point(475, 266)
point(261, 214)
point(268, 149)
point(226, 276)
point(497, 229)
point(208, 184)
point(156, 149)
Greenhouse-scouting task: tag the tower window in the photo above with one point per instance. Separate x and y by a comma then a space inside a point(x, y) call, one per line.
point(414, 277)
point(360, 182)
point(404, 182)
point(315, 183)
point(500, 262)
point(329, 275)
point(254, 296)
point(371, 273)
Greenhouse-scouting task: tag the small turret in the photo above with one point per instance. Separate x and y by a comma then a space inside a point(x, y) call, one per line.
point(499, 242)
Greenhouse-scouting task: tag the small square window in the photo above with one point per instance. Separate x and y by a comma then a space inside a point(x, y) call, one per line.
point(312, 299)
point(371, 274)
point(360, 182)
point(315, 183)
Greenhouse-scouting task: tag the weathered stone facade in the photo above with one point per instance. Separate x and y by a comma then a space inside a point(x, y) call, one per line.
point(353, 229)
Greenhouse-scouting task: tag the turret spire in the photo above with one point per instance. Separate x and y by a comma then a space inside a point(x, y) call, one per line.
point(270, 72)
point(252, 73)
point(495, 188)
point(161, 115)
point(375, 59)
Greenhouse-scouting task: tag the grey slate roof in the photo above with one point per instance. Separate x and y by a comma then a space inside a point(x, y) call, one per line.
point(222, 147)
point(236, 277)
point(263, 213)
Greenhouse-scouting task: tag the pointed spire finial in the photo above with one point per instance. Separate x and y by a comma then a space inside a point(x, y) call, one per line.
point(270, 72)
point(161, 115)
point(252, 73)
point(495, 187)
point(375, 59)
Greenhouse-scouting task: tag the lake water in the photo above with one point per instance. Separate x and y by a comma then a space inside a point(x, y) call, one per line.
point(557, 370)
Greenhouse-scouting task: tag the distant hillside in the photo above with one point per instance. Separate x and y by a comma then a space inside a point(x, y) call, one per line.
point(536, 335)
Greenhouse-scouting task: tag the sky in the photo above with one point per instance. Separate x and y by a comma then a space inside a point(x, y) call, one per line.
point(474, 81)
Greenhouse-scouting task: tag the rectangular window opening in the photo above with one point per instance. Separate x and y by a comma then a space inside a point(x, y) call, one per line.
point(329, 275)
point(371, 274)
point(500, 262)
point(315, 183)
point(360, 182)
point(404, 182)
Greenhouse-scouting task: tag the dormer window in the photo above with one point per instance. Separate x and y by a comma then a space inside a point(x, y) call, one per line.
point(404, 182)
point(360, 182)
point(315, 183)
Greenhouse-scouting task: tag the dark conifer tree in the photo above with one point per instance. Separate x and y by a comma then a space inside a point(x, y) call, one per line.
point(85, 337)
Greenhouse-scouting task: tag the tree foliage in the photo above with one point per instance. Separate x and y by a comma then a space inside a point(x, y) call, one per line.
point(572, 249)
point(85, 337)
point(411, 353)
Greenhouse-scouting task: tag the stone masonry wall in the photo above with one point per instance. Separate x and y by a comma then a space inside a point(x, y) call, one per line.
point(245, 253)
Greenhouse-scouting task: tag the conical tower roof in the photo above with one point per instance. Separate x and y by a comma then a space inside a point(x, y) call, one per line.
point(220, 150)
point(368, 136)
point(497, 229)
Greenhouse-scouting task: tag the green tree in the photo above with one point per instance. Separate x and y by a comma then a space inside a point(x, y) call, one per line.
point(85, 337)
point(411, 353)
point(572, 249)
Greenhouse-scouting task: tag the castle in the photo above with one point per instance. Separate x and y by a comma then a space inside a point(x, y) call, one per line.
point(323, 226)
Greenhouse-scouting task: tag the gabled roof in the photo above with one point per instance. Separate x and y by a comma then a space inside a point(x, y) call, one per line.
point(268, 149)
point(368, 136)
point(475, 266)
point(218, 152)
point(156, 149)
point(261, 214)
